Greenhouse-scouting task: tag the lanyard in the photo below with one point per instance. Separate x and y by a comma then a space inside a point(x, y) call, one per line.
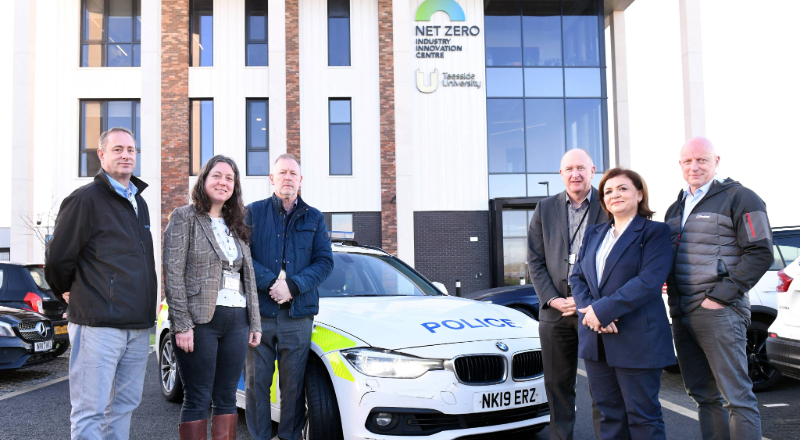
point(578, 228)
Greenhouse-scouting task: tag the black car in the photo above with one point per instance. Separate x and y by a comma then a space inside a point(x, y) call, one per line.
point(26, 338)
point(22, 286)
point(521, 298)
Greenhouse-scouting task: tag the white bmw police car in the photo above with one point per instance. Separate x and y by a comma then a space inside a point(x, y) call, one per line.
point(392, 356)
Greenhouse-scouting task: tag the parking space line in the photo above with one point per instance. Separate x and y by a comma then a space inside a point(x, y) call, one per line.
point(670, 406)
point(33, 388)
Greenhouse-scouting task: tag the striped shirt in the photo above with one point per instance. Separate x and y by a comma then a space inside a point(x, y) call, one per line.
point(605, 247)
point(575, 216)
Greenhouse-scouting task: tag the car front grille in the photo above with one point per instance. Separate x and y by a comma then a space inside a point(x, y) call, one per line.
point(481, 369)
point(527, 365)
point(28, 331)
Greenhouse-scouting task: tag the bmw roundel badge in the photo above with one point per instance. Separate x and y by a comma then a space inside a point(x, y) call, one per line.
point(501, 346)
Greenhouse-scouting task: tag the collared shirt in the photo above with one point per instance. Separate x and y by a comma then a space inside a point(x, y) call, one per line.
point(691, 200)
point(227, 297)
point(574, 217)
point(129, 193)
point(605, 247)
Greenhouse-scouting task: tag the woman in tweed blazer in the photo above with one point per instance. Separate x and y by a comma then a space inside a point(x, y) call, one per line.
point(211, 294)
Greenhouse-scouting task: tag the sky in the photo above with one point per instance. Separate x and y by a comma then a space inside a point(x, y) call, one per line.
point(751, 97)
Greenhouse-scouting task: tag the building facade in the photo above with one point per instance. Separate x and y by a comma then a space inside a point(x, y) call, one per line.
point(429, 128)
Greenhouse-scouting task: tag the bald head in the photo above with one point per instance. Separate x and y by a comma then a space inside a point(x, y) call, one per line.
point(577, 155)
point(577, 171)
point(699, 161)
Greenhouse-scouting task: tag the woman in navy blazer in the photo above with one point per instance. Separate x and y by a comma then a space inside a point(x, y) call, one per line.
point(625, 339)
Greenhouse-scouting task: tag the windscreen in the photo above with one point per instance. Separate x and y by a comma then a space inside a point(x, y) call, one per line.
point(785, 250)
point(372, 275)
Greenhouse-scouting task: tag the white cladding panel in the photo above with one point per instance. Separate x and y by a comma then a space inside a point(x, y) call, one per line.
point(359, 82)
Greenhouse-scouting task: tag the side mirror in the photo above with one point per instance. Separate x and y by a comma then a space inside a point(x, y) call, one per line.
point(441, 287)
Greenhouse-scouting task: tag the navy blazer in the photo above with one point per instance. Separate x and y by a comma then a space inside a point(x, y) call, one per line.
point(630, 291)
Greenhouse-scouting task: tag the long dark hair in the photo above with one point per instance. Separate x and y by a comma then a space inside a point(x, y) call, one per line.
point(233, 211)
point(638, 183)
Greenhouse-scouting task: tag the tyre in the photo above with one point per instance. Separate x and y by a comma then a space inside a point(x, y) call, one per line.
point(171, 384)
point(761, 372)
point(322, 410)
point(61, 348)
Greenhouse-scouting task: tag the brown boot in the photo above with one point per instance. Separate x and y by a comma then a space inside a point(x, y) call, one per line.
point(193, 430)
point(223, 427)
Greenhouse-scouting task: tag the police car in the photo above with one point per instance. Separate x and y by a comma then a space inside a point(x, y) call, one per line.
point(394, 356)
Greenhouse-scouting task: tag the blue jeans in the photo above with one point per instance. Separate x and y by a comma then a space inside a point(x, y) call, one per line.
point(106, 377)
point(211, 372)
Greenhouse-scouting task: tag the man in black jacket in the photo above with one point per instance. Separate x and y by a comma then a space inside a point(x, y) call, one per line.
point(102, 255)
point(722, 245)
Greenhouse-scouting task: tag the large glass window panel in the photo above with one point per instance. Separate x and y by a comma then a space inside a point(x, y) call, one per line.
point(504, 82)
point(201, 137)
point(201, 33)
point(341, 150)
point(544, 134)
point(544, 83)
point(138, 22)
point(585, 128)
point(257, 137)
point(119, 114)
point(256, 32)
point(581, 35)
point(506, 135)
point(545, 185)
point(99, 116)
point(338, 32)
point(93, 17)
point(119, 55)
point(541, 32)
point(339, 111)
point(342, 222)
point(506, 185)
point(582, 83)
point(515, 260)
point(515, 223)
point(120, 21)
point(92, 55)
point(502, 26)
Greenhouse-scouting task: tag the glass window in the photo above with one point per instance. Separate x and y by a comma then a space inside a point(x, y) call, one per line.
point(544, 83)
point(789, 249)
point(504, 83)
point(515, 260)
point(99, 116)
point(342, 222)
point(506, 131)
point(506, 185)
point(257, 137)
point(581, 35)
point(502, 27)
point(582, 83)
point(585, 128)
point(544, 134)
point(111, 33)
point(201, 129)
point(338, 32)
point(201, 33)
point(340, 132)
point(373, 275)
point(256, 32)
point(541, 32)
point(546, 184)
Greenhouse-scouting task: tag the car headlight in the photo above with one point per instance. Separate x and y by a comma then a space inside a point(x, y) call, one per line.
point(379, 363)
point(6, 330)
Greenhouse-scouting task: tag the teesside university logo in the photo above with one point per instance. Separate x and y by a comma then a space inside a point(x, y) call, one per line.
point(436, 47)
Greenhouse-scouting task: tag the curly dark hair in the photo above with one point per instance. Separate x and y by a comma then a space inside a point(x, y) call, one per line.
point(233, 211)
point(638, 183)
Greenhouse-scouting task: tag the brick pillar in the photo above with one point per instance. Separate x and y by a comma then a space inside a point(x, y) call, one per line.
point(388, 169)
point(293, 78)
point(174, 106)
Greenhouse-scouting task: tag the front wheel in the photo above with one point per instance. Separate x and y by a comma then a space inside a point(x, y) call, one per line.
point(171, 383)
point(322, 410)
point(761, 372)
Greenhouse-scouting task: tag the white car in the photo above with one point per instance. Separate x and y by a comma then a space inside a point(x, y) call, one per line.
point(783, 345)
point(394, 356)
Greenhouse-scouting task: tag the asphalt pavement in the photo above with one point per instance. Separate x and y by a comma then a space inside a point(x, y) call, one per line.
point(43, 413)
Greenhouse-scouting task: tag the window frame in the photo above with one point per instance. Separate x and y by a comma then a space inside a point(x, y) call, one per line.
point(248, 146)
point(349, 33)
point(352, 221)
point(136, 5)
point(330, 125)
point(191, 28)
point(104, 127)
point(247, 40)
point(191, 134)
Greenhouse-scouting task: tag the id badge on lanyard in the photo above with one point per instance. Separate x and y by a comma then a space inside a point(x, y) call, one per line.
point(231, 280)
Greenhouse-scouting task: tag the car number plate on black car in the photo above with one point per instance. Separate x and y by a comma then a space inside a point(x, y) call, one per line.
point(43, 346)
point(504, 399)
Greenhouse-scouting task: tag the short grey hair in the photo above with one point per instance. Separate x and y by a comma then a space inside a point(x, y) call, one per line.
point(104, 136)
point(287, 156)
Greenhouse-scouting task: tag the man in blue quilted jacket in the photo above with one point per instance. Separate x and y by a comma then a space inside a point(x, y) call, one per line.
point(292, 256)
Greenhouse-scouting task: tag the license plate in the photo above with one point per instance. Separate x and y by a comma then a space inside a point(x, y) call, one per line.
point(504, 399)
point(43, 346)
point(61, 329)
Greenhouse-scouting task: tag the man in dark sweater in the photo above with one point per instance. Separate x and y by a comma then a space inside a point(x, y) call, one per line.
point(722, 245)
point(101, 255)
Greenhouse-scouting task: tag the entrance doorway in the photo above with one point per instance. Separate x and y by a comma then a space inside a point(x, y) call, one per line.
point(509, 219)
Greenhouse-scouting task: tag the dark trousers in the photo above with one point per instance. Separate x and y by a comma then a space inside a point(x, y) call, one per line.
point(712, 353)
point(288, 340)
point(628, 401)
point(211, 372)
point(560, 357)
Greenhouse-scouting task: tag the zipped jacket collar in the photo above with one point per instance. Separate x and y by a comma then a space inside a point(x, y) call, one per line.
point(278, 204)
point(102, 179)
point(716, 187)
